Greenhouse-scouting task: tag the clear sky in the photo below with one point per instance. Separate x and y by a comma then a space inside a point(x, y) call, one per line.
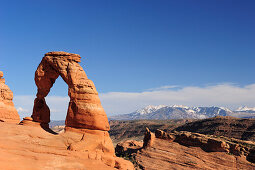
point(132, 46)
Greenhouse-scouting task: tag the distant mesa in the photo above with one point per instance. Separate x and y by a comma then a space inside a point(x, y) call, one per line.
point(8, 112)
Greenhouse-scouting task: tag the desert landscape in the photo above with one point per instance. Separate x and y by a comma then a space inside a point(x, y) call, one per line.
point(221, 142)
point(128, 85)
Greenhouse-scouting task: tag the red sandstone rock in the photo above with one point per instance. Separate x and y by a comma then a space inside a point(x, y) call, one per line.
point(148, 138)
point(217, 146)
point(129, 147)
point(8, 112)
point(165, 155)
point(85, 109)
point(163, 135)
point(32, 148)
point(85, 114)
point(180, 153)
point(207, 142)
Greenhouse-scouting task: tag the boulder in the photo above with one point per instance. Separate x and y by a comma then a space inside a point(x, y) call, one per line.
point(128, 147)
point(163, 135)
point(215, 145)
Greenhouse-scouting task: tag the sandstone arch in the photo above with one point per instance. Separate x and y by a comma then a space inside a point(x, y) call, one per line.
point(85, 110)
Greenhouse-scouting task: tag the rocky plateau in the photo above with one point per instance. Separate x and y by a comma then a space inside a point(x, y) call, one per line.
point(186, 150)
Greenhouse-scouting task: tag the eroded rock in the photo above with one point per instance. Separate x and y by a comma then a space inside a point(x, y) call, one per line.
point(149, 138)
point(85, 109)
point(186, 150)
point(85, 114)
point(8, 112)
point(128, 147)
point(208, 143)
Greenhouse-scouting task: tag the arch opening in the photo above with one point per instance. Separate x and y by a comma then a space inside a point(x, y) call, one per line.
point(58, 100)
point(84, 109)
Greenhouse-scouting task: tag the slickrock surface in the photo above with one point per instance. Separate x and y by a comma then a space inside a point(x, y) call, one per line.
point(186, 150)
point(166, 155)
point(28, 147)
point(209, 143)
point(8, 112)
point(85, 115)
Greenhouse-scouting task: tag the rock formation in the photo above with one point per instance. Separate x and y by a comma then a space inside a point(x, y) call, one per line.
point(84, 110)
point(8, 112)
point(148, 139)
point(33, 148)
point(186, 150)
point(85, 114)
point(223, 126)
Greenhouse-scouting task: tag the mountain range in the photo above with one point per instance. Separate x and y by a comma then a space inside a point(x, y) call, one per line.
point(162, 112)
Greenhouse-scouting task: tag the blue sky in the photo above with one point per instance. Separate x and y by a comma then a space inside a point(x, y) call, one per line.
point(131, 46)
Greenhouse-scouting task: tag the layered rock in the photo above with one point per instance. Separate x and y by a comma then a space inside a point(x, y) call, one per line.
point(8, 112)
point(210, 143)
point(85, 114)
point(29, 147)
point(223, 126)
point(148, 139)
point(128, 147)
point(186, 150)
point(84, 110)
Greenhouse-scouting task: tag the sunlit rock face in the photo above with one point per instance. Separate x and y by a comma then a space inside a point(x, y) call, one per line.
point(85, 109)
point(8, 112)
point(86, 131)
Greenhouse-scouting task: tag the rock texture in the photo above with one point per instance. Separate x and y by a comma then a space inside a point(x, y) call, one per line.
point(85, 114)
point(166, 155)
point(84, 110)
point(135, 129)
point(148, 139)
point(186, 150)
point(231, 127)
point(8, 112)
point(28, 147)
point(128, 147)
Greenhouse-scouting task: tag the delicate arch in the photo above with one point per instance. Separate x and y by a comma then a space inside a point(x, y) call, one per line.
point(85, 109)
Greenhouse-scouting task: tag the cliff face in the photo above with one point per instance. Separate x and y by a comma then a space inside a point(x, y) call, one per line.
point(8, 112)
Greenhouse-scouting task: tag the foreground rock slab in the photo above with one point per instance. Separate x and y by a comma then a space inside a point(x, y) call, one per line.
point(86, 124)
point(28, 147)
point(8, 112)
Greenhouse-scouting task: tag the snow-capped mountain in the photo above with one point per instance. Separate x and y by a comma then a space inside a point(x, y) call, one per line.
point(183, 112)
point(245, 109)
point(149, 109)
